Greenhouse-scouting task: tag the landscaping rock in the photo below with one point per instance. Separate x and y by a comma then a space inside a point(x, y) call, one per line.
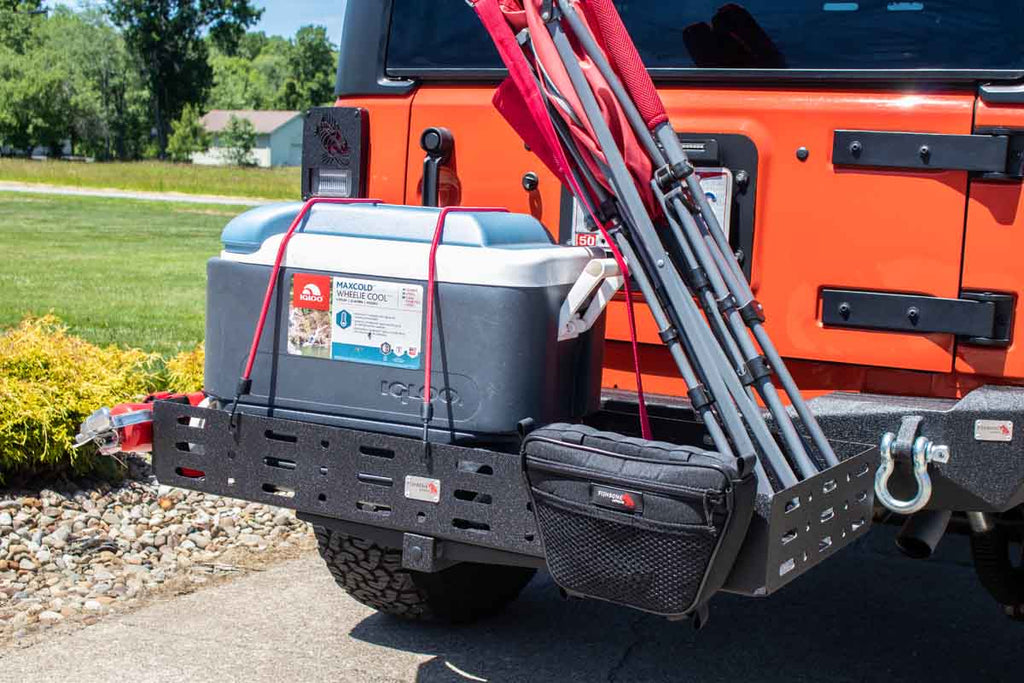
point(250, 539)
point(96, 549)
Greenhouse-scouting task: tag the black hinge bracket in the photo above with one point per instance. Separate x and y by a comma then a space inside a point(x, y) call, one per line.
point(996, 153)
point(981, 318)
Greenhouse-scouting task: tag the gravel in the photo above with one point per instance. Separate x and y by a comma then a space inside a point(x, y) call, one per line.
point(74, 552)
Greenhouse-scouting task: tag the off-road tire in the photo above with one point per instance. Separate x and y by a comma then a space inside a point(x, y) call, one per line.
point(373, 575)
point(1003, 579)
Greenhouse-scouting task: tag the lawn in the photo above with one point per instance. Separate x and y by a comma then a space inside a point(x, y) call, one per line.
point(117, 271)
point(158, 176)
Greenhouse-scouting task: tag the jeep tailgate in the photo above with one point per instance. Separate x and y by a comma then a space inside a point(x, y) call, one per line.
point(815, 225)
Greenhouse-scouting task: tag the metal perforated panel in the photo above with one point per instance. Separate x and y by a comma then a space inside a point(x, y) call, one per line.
point(357, 476)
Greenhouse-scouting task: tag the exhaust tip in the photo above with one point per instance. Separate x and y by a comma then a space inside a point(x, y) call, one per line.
point(914, 548)
point(922, 532)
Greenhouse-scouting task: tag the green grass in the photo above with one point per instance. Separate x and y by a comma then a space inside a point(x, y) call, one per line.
point(126, 272)
point(157, 176)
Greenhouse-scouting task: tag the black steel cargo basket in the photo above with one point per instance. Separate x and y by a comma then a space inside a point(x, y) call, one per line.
point(482, 508)
point(804, 525)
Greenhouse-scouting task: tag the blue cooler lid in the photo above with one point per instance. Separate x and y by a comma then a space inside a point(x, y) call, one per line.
point(245, 233)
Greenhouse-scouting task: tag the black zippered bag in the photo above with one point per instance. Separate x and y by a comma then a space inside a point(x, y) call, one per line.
point(647, 524)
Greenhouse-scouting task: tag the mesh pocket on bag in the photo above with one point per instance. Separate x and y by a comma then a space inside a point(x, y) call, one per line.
point(652, 566)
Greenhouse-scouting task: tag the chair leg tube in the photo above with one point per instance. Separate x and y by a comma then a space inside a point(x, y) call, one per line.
point(670, 143)
point(678, 295)
point(767, 391)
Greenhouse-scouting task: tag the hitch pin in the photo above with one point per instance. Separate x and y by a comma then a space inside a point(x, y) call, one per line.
point(103, 429)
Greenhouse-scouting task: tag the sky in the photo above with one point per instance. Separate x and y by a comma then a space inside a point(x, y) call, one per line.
point(280, 17)
point(284, 17)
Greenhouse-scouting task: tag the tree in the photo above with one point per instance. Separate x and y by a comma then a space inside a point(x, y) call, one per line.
point(187, 135)
point(21, 118)
point(167, 38)
point(252, 44)
point(33, 103)
point(234, 85)
point(238, 140)
point(310, 70)
point(71, 78)
point(18, 20)
point(251, 78)
point(106, 100)
point(274, 73)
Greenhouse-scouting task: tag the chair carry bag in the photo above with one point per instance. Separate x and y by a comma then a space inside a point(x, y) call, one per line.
point(647, 524)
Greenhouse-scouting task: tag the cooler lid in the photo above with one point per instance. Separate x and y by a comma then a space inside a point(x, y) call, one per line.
point(247, 232)
point(486, 249)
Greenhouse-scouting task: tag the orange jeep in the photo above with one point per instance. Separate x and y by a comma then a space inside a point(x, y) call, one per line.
point(864, 160)
point(876, 199)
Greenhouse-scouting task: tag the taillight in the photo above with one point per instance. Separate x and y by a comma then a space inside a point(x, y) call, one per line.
point(334, 143)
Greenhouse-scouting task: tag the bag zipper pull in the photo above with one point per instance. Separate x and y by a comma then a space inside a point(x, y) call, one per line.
point(712, 500)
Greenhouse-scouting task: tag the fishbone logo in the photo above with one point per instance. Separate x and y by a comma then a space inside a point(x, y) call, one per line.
point(335, 146)
point(616, 499)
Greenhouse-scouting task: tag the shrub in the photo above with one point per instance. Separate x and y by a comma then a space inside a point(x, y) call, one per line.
point(187, 135)
point(185, 371)
point(49, 382)
point(238, 140)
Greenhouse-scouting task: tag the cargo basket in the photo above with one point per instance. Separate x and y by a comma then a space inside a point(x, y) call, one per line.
point(791, 530)
point(800, 527)
point(661, 527)
point(484, 501)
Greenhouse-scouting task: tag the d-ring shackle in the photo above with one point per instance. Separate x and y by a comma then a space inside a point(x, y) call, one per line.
point(923, 452)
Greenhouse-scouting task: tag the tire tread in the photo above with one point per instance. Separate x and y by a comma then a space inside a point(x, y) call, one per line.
point(374, 576)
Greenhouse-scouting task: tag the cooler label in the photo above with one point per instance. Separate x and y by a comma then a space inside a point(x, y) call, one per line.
point(363, 321)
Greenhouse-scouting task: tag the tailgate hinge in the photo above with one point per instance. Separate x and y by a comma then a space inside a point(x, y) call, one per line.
point(993, 153)
point(978, 318)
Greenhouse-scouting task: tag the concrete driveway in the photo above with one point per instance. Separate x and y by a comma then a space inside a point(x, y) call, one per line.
point(868, 615)
point(178, 197)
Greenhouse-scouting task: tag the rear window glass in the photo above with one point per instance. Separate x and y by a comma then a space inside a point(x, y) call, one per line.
point(428, 35)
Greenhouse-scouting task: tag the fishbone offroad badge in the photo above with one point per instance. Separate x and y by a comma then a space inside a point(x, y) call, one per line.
point(422, 488)
point(616, 499)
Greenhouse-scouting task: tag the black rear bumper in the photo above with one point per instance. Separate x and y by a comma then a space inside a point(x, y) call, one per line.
point(365, 484)
point(355, 481)
point(982, 475)
point(349, 475)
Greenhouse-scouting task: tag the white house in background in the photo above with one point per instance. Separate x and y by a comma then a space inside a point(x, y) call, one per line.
point(37, 153)
point(278, 137)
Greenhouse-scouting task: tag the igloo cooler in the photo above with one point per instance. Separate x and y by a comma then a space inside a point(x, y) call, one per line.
point(345, 334)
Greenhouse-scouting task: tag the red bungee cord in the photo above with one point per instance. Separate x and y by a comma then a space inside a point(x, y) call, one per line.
point(427, 410)
point(245, 383)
